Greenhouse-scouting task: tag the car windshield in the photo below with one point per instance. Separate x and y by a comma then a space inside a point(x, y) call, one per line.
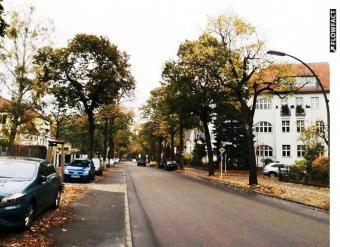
point(18, 169)
point(80, 163)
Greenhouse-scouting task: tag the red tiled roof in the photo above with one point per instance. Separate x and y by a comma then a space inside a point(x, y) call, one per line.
point(295, 70)
point(5, 103)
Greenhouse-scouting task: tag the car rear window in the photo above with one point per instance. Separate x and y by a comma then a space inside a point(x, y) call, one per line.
point(80, 163)
point(16, 169)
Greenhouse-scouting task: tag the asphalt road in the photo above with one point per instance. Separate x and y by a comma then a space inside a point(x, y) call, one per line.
point(169, 209)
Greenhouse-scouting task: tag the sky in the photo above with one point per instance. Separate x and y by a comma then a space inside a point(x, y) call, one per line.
point(150, 31)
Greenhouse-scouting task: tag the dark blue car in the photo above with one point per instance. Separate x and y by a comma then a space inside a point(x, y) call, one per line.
point(27, 187)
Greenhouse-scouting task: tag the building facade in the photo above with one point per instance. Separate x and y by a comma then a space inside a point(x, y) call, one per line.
point(34, 132)
point(280, 118)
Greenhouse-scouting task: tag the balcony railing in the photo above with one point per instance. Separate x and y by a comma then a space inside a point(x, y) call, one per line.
point(300, 111)
point(285, 111)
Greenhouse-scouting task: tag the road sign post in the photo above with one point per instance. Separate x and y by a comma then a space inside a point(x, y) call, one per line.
point(222, 150)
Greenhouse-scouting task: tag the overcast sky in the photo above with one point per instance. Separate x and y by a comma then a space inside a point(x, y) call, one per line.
point(150, 31)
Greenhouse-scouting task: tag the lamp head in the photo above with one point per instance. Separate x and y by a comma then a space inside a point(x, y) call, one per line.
point(276, 53)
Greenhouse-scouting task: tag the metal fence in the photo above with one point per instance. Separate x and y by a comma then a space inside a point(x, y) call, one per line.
point(24, 151)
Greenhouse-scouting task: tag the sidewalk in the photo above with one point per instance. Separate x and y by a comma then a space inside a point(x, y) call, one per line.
point(98, 215)
point(309, 195)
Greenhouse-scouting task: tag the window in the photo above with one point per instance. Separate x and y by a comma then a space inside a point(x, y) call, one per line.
point(299, 110)
point(285, 150)
point(284, 101)
point(309, 81)
point(263, 127)
point(285, 126)
point(320, 126)
point(264, 151)
point(315, 102)
point(43, 170)
point(300, 125)
point(263, 104)
point(284, 107)
point(298, 101)
point(300, 150)
point(50, 169)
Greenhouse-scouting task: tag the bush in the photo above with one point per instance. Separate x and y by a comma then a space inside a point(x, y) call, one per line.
point(297, 170)
point(187, 158)
point(320, 169)
point(198, 154)
point(267, 161)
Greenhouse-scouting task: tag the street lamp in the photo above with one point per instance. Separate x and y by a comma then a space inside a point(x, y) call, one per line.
point(282, 54)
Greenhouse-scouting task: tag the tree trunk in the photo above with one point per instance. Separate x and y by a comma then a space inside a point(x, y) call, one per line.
point(172, 145)
point(13, 134)
point(110, 154)
point(104, 154)
point(181, 144)
point(91, 129)
point(159, 156)
point(252, 160)
point(209, 147)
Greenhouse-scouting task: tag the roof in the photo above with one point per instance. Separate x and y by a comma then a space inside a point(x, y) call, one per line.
point(320, 69)
point(5, 103)
point(275, 71)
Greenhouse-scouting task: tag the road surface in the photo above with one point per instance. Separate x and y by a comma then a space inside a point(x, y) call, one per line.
point(169, 209)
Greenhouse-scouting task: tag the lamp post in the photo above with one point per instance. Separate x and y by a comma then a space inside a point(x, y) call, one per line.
point(282, 54)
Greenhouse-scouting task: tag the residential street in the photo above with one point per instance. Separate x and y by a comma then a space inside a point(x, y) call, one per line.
point(168, 209)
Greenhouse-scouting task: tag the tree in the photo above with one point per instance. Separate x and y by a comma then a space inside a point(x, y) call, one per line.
point(23, 37)
point(75, 131)
point(153, 112)
point(177, 102)
point(244, 73)
point(312, 147)
point(3, 23)
point(200, 89)
point(88, 73)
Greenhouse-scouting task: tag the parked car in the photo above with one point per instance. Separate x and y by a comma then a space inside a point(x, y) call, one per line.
point(98, 165)
point(112, 162)
point(161, 164)
point(238, 165)
point(28, 186)
point(171, 165)
point(79, 170)
point(141, 162)
point(273, 169)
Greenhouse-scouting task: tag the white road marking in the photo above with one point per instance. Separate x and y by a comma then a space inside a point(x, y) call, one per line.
point(127, 218)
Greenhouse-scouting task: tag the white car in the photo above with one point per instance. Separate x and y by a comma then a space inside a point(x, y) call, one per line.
point(99, 166)
point(273, 169)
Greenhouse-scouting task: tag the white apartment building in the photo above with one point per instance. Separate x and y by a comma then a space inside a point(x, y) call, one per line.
point(279, 119)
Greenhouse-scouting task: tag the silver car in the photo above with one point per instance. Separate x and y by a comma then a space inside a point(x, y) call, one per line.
point(274, 169)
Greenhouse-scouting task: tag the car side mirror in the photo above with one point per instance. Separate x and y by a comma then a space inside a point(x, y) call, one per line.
point(42, 179)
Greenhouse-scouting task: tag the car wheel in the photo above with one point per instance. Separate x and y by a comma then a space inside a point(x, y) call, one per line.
point(29, 215)
point(57, 200)
point(272, 174)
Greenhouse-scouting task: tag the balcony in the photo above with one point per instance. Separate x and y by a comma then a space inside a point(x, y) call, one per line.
point(285, 111)
point(300, 111)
